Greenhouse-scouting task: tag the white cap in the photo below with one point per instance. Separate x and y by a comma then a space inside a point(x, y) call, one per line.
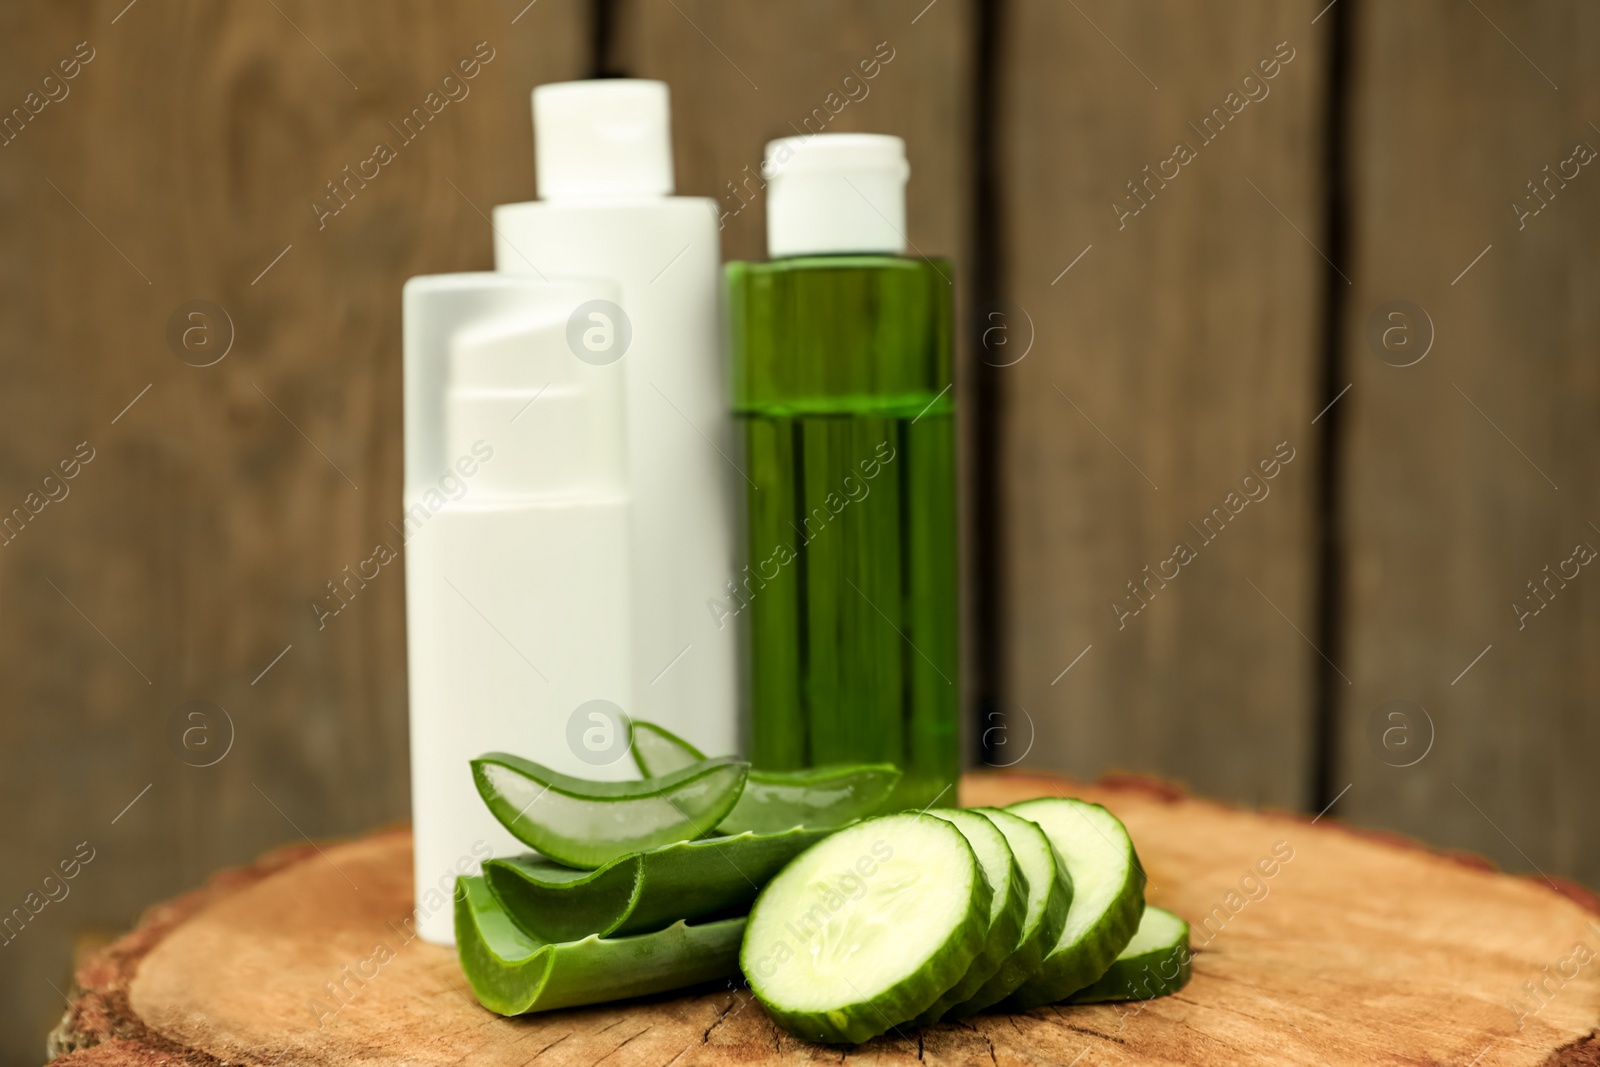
point(836, 193)
point(488, 363)
point(602, 139)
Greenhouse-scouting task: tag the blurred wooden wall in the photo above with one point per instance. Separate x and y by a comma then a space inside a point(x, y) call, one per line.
point(1131, 356)
point(1463, 477)
point(1177, 325)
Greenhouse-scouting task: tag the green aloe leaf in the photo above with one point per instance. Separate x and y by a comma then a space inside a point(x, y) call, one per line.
point(817, 798)
point(642, 891)
point(657, 750)
point(583, 823)
point(512, 973)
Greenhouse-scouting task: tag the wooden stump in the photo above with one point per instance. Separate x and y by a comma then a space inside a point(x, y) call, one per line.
point(1357, 949)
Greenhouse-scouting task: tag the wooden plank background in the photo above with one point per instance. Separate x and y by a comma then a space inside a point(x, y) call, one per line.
point(1176, 352)
point(1470, 472)
point(1172, 352)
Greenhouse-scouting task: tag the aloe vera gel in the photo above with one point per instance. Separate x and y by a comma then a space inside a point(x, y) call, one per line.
point(842, 385)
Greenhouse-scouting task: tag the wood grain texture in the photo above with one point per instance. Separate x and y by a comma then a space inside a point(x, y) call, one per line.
point(1454, 463)
point(1355, 950)
point(188, 551)
point(742, 75)
point(1167, 362)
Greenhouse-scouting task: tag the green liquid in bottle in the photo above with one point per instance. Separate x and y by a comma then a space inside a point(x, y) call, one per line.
point(842, 386)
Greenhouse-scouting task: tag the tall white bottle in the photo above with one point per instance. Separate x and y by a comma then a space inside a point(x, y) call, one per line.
point(604, 168)
point(517, 562)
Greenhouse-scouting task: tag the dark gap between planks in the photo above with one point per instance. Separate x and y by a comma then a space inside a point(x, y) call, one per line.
point(1328, 508)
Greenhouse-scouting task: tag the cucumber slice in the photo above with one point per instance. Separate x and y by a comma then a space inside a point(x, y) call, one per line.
point(1049, 889)
point(511, 973)
point(642, 891)
point(1155, 963)
point(1008, 904)
point(865, 930)
point(818, 798)
point(585, 824)
point(1107, 897)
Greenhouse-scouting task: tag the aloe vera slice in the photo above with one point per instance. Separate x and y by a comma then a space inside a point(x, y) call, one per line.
point(818, 798)
point(657, 750)
point(865, 930)
point(1007, 907)
point(641, 891)
point(1107, 897)
point(1049, 891)
point(512, 973)
point(1155, 963)
point(586, 824)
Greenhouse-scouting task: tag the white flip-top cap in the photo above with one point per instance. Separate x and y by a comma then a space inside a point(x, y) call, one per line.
point(480, 349)
point(836, 193)
point(602, 139)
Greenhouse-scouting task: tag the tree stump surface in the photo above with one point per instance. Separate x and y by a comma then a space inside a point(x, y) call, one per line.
point(1360, 948)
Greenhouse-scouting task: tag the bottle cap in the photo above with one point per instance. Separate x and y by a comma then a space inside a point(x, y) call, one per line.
point(490, 369)
point(836, 193)
point(604, 139)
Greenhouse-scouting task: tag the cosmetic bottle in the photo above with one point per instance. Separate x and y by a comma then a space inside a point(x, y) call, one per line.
point(605, 178)
point(841, 352)
point(516, 531)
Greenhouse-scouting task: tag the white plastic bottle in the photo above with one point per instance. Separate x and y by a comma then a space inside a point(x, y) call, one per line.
point(517, 562)
point(604, 168)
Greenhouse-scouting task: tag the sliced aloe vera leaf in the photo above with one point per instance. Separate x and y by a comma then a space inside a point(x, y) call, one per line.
point(1007, 907)
point(512, 973)
point(1155, 963)
point(1049, 891)
point(587, 824)
point(1107, 897)
point(818, 797)
point(642, 891)
point(865, 930)
point(657, 750)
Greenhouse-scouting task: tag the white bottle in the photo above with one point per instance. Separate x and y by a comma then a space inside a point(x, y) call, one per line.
point(604, 159)
point(517, 560)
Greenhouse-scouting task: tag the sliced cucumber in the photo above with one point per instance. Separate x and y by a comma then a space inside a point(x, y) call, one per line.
point(1155, 963)
point(1107, 897)
point(818, 798)
point(512, 973)
point(644, 890)
point(865, 930)
point(585, 824)
point(1049, 891)
point(1008, 904)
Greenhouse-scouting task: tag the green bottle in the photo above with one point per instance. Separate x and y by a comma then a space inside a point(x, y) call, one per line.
point(843, 390)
